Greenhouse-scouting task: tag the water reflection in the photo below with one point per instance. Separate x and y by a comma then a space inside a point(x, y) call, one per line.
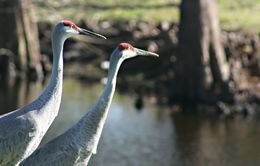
point(210, 141)
point(151, 137)
point(16, 93)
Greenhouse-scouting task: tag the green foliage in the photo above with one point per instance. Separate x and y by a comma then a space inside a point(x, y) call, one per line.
point(234, 14)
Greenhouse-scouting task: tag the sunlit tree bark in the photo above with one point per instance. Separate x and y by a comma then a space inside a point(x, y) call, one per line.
point(19, 34)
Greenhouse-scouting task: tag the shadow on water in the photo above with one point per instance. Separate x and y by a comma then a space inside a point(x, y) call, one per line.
point(9, 96)
point(150, 137)
point(16, 93)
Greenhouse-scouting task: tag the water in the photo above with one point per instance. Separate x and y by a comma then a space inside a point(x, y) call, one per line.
point(150, 137)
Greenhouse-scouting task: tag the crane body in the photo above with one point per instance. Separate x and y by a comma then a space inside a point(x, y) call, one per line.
point(77, 144)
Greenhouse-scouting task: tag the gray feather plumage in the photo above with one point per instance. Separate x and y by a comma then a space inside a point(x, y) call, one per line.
point(77, 144)
point(22, 130)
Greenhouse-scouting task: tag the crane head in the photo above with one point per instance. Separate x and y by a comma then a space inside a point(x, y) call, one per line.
point(126, 50)
point(68, 29)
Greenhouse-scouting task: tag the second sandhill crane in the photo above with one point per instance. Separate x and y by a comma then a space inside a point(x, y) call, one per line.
point(77, 144)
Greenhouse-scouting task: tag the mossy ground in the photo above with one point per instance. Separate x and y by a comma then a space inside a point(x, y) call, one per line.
point(234, 14)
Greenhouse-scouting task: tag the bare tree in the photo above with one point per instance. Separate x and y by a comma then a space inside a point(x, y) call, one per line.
point(201, 67)
point(19, 34)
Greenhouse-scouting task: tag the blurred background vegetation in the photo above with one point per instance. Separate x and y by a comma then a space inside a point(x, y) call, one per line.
point(233, 15)
point(209, 51)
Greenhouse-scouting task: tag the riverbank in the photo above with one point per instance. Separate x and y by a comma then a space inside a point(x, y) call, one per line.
point(234, 15)
point(84, 58)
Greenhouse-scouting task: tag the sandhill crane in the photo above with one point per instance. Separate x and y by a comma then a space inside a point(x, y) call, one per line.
point(22, 130)
point(77, 144)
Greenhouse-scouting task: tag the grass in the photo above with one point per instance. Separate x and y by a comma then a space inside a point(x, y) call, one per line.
point(234, 14)
point(240, 14)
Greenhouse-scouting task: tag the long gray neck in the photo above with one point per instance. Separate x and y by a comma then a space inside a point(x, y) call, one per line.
point(104, 101)
point(49, 101)
point(91, 125)
point(109, 90)
point(102, 105)
point(57, 69)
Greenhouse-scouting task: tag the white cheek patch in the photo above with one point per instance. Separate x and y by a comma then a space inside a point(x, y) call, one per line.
point(128, 53)
point(71, 30)
point(67, 28)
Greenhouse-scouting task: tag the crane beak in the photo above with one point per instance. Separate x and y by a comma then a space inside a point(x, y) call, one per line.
point(145, 53)
point(89, 33)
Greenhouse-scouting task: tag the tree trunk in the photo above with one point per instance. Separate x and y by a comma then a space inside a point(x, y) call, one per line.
point(19, 34)
point(201, 64)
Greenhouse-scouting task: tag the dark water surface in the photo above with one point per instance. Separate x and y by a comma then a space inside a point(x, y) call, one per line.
point(152, 136)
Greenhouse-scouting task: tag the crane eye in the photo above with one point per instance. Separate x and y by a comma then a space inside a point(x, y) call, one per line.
point(70, 24)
